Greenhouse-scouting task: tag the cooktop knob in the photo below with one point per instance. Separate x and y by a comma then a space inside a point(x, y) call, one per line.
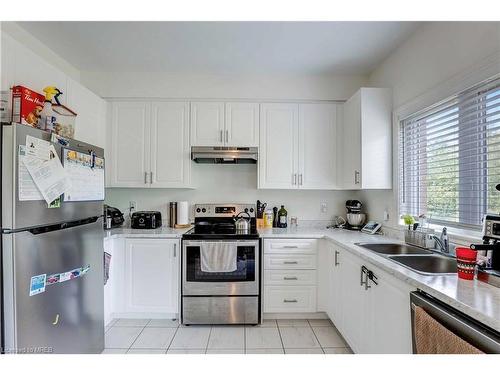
point(203, 210)
point(198, 210)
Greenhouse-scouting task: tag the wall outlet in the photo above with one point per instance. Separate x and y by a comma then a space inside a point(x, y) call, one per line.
point(324, 207)
point(132, 205)
point(386, 215)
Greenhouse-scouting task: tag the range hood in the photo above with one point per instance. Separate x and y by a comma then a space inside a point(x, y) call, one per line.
point(224, 155)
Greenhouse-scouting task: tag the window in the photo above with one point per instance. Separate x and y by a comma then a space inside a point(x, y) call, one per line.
point(450, 158)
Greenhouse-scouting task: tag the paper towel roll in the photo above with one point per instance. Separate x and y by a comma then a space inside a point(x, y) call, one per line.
point(182, 213)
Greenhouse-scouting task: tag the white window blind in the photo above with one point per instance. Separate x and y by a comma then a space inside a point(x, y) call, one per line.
point(450, 158)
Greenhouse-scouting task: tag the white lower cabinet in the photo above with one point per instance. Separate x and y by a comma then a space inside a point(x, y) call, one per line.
point(372, 315)
point(144, 278)
point(290, 276)
point(151, 269)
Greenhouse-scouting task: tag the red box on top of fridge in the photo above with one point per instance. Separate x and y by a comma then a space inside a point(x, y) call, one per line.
point(27, 106)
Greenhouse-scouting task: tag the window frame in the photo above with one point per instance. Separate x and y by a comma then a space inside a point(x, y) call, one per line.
point(426, 104)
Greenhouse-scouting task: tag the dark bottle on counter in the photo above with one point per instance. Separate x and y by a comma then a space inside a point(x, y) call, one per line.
point(275, 217)
point(282, 217)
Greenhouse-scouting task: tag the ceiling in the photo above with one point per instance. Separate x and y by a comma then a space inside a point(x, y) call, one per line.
point(223, 47)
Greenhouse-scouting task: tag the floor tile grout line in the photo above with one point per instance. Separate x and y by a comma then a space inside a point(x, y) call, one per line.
point(133, 342)
point(314, 333)
point(208, 341)
point(173, 337)
point(281, 338)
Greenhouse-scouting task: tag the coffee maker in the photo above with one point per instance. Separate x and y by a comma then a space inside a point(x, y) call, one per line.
point(490, 271)
point(355, 218)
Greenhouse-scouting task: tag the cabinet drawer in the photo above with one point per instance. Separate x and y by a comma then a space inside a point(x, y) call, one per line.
point(290, 277)
point(291, 246)
point(294, 261)
point(289, 299)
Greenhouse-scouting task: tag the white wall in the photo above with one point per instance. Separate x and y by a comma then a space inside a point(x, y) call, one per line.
point(434, 63)
point(161, 85)
point(26, 61)
point(232, 184)
point(227, 183)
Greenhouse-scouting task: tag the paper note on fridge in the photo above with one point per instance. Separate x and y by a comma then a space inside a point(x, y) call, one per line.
point(49, 175)
point(27, 188)
point(38, 147)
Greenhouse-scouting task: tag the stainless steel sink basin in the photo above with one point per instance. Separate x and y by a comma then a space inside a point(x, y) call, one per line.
point(427, 264)
point(393, 248)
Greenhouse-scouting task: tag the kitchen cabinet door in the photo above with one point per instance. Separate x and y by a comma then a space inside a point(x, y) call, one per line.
point(170, 150)
point(242, 124)
point(278, 146)
point(354, 297)
point(351, 143)
point(367, 140)
point(317, 151)
point(129, 143)
point(335, 282)
point(207, 124)
point(388, 315)
point(151, 274)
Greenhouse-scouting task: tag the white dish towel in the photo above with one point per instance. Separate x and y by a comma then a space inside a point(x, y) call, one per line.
point(218, 257)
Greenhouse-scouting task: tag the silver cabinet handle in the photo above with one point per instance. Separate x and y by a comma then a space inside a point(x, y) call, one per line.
point(362, 273)
point(290, 301)
point(300, 179)
point(290, 247)
point(286, 262)
point(145, 177)
point(175, 250)
point(150, 177)
point(227, 135)
point(294, 178)
point(337, 258)
point(221, 136)
point(290, 278)
point(365, 271)
point(356, 177)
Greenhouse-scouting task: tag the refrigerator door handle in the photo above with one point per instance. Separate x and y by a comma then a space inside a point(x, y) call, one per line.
point(53, 227)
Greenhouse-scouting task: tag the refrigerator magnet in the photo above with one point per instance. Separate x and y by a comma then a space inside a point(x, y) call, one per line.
point(37, 284)
point(53, 279)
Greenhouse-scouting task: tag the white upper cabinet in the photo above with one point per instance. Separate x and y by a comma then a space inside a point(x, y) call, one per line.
point(367, 140)
point(207, 124)
point(234, 124)
point(170, 158)
point(129, 143)
point(278, 146)
point(298, 146)
point(149, 145)
point(242, 124)
point(317, 152)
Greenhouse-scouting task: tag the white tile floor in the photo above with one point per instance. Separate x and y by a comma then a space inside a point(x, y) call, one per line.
point(286, 336)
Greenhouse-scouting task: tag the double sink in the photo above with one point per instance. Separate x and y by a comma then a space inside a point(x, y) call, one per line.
point(419, 260)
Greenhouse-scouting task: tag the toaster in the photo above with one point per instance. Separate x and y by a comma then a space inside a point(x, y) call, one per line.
point(146, 220)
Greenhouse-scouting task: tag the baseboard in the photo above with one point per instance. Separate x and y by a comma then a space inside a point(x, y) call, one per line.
point(318, 315)
point(144, 315)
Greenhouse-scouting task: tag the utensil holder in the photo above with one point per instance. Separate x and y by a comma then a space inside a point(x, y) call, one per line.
point(418, 237)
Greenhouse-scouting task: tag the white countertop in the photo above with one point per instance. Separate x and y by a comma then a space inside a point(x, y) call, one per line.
point(474, 298)
point(163, 232)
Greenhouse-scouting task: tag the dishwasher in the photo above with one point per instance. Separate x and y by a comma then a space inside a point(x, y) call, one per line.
point(470, 330)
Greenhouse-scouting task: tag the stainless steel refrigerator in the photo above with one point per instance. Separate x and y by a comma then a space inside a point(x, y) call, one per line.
point(65, 245)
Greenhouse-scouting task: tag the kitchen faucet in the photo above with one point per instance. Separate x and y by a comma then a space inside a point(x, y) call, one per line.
point(442, 241)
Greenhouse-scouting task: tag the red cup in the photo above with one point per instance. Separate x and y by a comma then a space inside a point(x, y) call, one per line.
point(466, 262)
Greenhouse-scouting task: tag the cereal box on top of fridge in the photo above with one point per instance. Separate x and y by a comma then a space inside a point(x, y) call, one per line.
point(26, 106)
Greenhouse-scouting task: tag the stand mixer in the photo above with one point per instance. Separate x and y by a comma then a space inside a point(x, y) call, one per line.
point(355, 218)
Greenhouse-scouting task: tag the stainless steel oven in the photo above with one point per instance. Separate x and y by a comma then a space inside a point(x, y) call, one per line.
point(221, 297)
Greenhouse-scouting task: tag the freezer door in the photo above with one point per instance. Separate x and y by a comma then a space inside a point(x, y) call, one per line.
point(68, 316)
point(18, 214)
